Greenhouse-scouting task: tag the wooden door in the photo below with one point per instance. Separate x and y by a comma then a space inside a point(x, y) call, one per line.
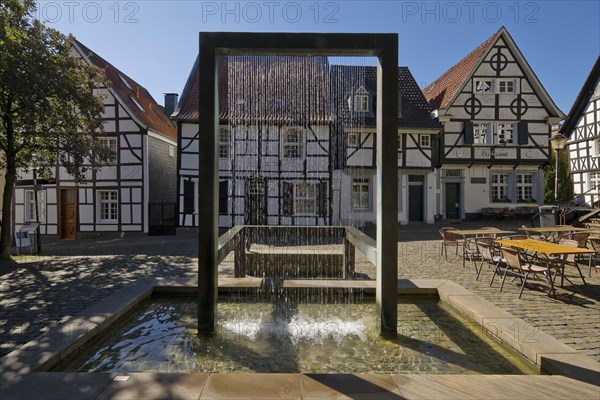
point(415, 202)
point(452, 200)
point(255, 202)
point(68, 214)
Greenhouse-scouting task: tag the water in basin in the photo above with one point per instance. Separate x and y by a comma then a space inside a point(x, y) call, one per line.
point(289, 336)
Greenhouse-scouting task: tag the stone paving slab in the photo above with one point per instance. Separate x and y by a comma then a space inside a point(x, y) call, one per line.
point(83, 386)
point(155, 386)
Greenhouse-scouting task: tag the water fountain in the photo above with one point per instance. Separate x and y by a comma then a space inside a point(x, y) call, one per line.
point(382, 46)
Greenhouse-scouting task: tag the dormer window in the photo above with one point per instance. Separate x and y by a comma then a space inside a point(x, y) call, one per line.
point(361, 103)
point(360, 100)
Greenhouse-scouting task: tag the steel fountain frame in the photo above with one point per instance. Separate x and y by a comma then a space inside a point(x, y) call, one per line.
point(385, 48)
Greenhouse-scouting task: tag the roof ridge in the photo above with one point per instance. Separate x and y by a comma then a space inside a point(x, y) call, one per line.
point(129, 92)
point(437, 93)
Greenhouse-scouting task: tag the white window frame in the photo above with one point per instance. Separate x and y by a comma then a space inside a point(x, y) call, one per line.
point(484, 86)
point(111, 203)
point(425, 141)
point(224, 142)
point(524, 189)
point(354, 139)
point(30, 205)
point(500, 188)
point(503, 86)
point(364, 188)
point(594, 181)
point(481, 132)
point(361, 103)
point(305, 198)
point(110, 143)
point(292, 148)
point(504, 129)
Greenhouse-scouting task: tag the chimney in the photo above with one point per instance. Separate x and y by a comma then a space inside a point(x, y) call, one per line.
point(170, 103)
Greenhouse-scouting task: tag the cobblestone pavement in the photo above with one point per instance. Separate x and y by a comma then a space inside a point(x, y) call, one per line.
point(70, 276)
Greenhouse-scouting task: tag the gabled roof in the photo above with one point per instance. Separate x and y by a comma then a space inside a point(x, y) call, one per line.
point(582, 100)
point(129, 92)
point(278, 90)
point(441, 93)
point(346, 81)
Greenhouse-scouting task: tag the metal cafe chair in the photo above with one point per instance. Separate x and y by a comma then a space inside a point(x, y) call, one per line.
point(517, 267)
point(486, 254)
point(449, 239)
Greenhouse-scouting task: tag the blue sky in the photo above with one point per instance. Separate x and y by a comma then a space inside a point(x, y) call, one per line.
point(155, 42)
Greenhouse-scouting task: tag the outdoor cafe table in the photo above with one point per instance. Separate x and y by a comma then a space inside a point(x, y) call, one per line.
point(466, 233)
point(548, 249)
point(548, 230)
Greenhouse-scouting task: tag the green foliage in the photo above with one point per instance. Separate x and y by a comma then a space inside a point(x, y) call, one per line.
point(565, 184)
point(47, 103)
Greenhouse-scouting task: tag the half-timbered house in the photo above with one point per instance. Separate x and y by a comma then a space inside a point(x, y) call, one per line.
point(273, 142)
point(582, 127)
point(497, 119)
point(117, 197)
point(354, 100)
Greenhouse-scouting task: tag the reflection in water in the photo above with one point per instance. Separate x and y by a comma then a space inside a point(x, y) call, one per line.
point(263, 337)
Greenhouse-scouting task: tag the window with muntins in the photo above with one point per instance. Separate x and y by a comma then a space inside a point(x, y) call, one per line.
point(480, 133)
point(292, 143)
point(484, 86)
point(524, 187)
point(506, 86)
point(503, 133)
point(425, 141)
point(360, 193)
point(305, 199)
point(353, 139)
point(108, 203)
point(224, 142)
point(30, 205)
point(111, 145)
point(500, 187)
point(361, 102)
point(594, 182)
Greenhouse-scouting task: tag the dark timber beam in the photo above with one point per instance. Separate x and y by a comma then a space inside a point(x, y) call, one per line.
point(382, 46)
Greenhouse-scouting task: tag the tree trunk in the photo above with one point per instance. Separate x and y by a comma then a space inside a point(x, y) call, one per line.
point(7, 225)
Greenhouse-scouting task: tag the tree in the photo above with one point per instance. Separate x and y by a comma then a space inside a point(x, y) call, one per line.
point(565, 184)
point(47, 103)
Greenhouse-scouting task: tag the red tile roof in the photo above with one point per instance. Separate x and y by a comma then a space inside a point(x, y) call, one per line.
point(152, 115)
point(439, 93)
